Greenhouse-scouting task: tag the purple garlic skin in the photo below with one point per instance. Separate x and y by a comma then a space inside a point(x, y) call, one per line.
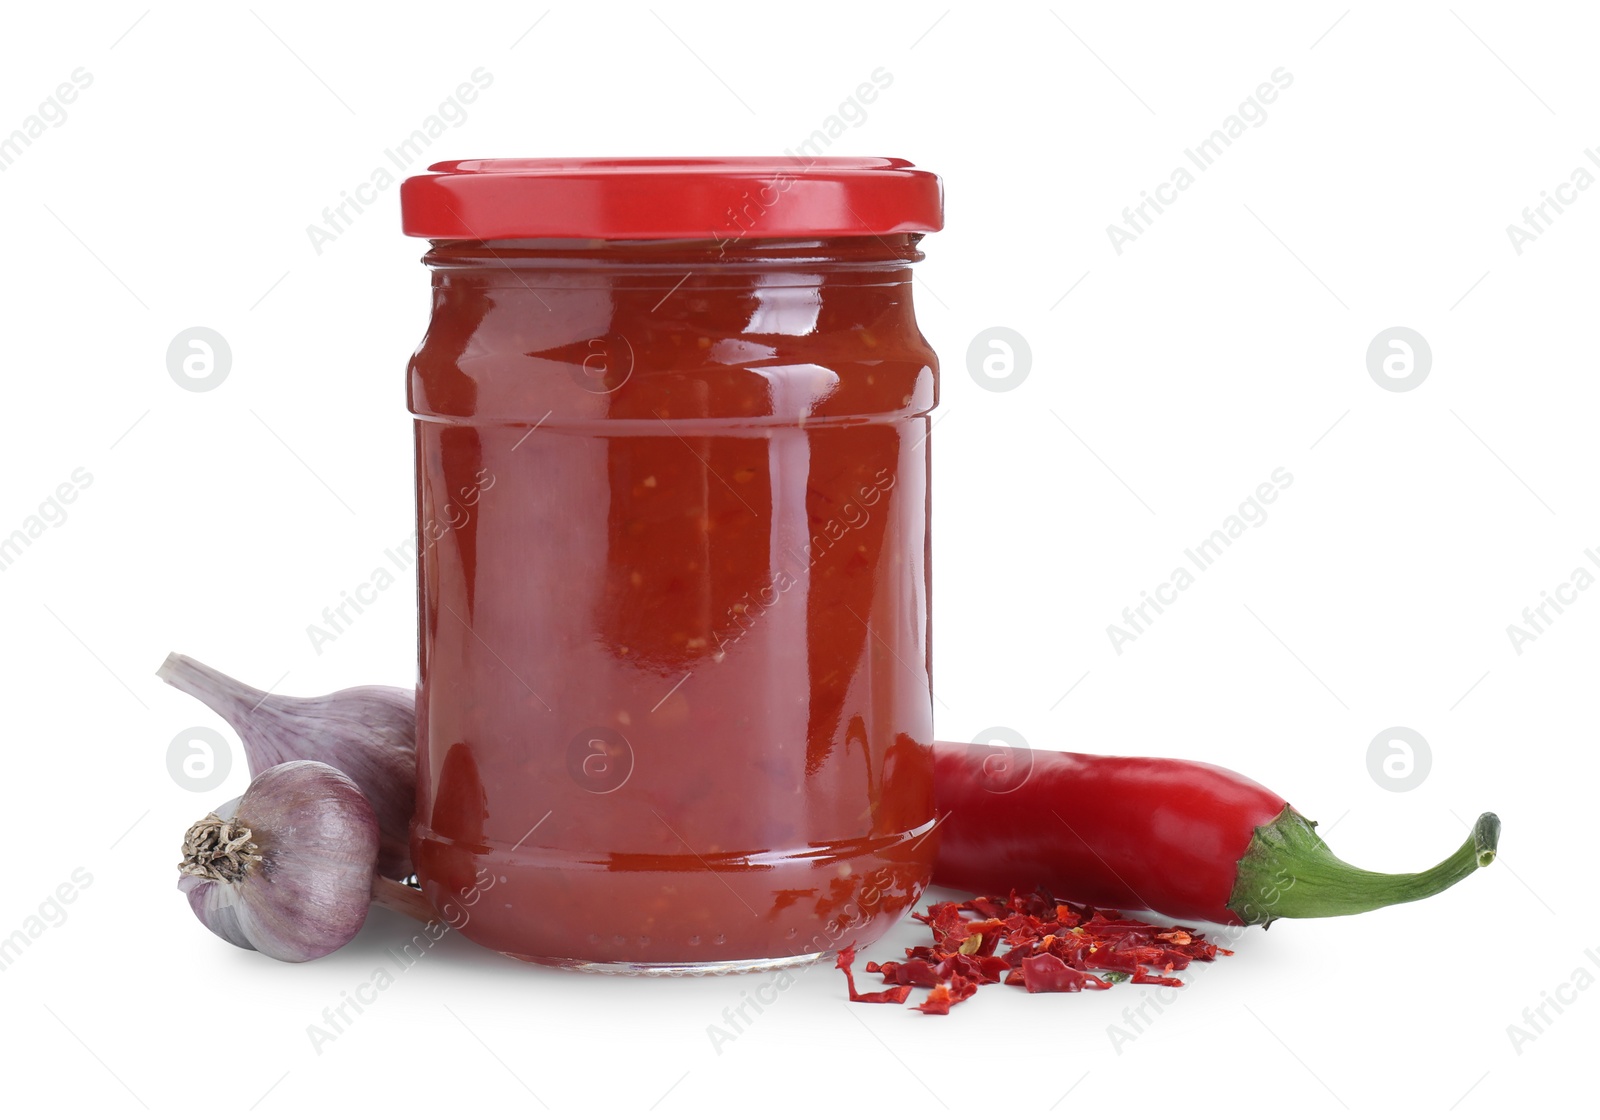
point(369, 733)
point(298, 884)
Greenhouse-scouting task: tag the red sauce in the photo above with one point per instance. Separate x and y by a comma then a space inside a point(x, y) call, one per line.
point(674, 703)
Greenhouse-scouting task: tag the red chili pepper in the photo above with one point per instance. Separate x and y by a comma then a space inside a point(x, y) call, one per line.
point(1179, 838)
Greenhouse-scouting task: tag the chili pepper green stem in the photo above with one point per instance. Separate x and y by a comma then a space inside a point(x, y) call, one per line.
point(1288, 871)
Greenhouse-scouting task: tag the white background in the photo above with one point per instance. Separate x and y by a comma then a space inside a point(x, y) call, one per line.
point(1228, 340)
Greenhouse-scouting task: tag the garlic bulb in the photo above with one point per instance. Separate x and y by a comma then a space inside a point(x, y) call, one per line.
point(287, 869)
point(369, 733)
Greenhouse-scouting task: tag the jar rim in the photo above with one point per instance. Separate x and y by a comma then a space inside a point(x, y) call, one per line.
point(671, 198)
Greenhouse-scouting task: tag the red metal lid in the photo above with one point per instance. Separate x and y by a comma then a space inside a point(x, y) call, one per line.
point(655, 199)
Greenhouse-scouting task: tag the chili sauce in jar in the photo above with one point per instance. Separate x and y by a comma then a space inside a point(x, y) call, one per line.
point(672, 419)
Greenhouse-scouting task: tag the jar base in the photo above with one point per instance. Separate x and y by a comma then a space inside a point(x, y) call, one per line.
point(698, 968)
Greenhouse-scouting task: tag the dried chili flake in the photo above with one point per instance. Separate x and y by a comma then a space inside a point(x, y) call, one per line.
point(981, 968)
point(946, 996)
point(846, 958)
point(939, 1003)
point(1030, 940)
point(1035, 903)
point(1045, 973)
point(986, 907)
point(1143, 975)
point(948, 925)
point(916, 973)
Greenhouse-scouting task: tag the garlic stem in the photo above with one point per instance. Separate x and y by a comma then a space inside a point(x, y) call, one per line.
point(231, 699)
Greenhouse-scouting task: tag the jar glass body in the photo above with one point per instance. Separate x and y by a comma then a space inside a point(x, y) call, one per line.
point(674, 701)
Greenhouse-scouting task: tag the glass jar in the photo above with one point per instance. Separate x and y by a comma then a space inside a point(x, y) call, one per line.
point(674, 708)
